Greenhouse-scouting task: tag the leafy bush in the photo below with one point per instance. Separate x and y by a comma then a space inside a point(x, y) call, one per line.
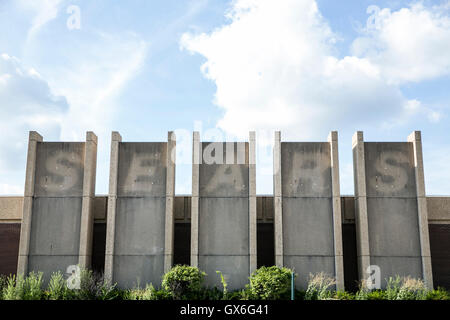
point(393, 287)
point(319, 287)
point(33, 286)
point(14, 288)
point(149, 293)
point(3, 284)
point(376, 295)
point(270, 283)
point(438, 294)
point(344, 295)
point(57, 288)
point(412, 289)
point(183, 282)
point(94, 287)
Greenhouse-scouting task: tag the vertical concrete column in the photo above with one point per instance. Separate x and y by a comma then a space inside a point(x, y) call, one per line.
point(252, 201)
point(416, 139)
point(361, 217)
point(278, 200)
point(337, 217)
point(87, 215)
point(25, 230)
point(116, 139)
point(170, 198)
point(196, 160)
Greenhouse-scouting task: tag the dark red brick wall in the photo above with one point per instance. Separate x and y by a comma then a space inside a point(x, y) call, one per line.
point(440, 254)
point(9, 247)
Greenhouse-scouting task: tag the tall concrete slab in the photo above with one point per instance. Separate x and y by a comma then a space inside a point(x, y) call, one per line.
point(308, 227)
point(57, 221)
point(139, 240)
point(390, 209)
point(223, 225)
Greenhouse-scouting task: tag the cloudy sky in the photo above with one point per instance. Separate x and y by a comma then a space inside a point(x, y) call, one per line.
point(304, 67)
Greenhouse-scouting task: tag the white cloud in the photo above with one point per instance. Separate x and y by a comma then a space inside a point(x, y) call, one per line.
point(43, 12)
point(275, 67)
point(26, 103)
point(408, 45)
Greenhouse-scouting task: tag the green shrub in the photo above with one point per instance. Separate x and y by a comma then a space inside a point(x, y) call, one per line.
point(412, 289)
point(393, 287)
point(438, 294)
point(376, 295)
point(57, 288)
point(210, 294)
point(3, 284)
point(319, 287)
point(94, 287)
point(344, 295)
point(149, 293)
point(14, 289)
point(270, 283)
point(183, 282)
point(33, 286)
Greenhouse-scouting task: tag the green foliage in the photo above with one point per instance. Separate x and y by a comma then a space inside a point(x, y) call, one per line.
point(14, 288)
point(57, 287)
point(23, 288)
point(224, 285)
point(412, 289)
point(376, 295)
point(183, 282)
point(149, 293)
point(344, 295)
point(270, 283)
point(94, 287)
point(393, 287)
point(319, 287)
point(438, 294)
point(33, 286)
point(3, 284)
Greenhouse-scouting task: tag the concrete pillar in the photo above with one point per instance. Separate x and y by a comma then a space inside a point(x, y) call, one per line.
point(416, 139)
point(170, 199)
point(196, 161)
point(87, 215)
point(116, 139)
point(24, 247)
point(337, 215)
point(252, 202)
point(278, 201)
point(361, 218)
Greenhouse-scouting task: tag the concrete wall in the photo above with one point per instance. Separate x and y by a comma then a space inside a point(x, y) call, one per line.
point(439, 224)
point(221, 232)
point(387, 202)
point(56, 228)
point(137, 256)
point(307, 211)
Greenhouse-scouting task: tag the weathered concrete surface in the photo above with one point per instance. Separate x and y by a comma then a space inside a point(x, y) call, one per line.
point(59, 170)
point(438, 208)
point(56, 208)
point(223, 220)
point(11, 208)
point(138, 256)
point(142, 169)
point(308, 236)
point(391, 208)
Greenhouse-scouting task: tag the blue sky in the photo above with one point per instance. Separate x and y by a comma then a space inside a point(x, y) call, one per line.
point(225, 67)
